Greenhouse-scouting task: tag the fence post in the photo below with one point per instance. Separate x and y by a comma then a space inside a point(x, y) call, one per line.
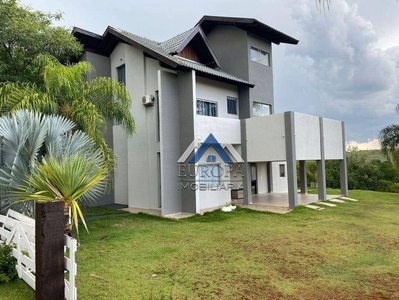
point(1, 142)
point(50, 251)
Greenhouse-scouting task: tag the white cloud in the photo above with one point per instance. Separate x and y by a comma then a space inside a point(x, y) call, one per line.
point(338, 70)
point(341, 44)
point(369, 145)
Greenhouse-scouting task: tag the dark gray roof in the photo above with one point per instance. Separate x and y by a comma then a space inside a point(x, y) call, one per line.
point(170, 46)
point(165, 51)
point(254, 26)
point(155, 48)
point(204, 69)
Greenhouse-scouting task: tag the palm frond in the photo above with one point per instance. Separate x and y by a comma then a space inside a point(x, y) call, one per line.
point(324, 3)
point(71, 179)
point(112, 100)
point(88, 117)
point(66, 82)
point(17, 96)
point(63, 90)
point(23, 136)
point(58, 127)
point(14, 187)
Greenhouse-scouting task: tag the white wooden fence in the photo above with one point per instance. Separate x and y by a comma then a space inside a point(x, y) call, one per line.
point(19, 230)
point(71, 267)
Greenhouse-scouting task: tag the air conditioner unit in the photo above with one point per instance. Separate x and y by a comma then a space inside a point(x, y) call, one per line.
point(148, 100)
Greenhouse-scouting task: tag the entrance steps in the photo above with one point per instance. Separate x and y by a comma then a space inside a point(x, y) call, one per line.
point(269, 208)
point(326, 204)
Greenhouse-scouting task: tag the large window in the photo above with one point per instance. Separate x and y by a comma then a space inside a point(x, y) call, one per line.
point(207, 108)
point(231, 105)
point(259, 56)
point(261, 109)
point(121, 73)
point(209, 175)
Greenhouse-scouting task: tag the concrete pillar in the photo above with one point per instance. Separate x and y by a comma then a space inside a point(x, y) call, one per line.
point(246, 168)
point(246, 171)
point(269, 177)
point(342, 166)
point(291, 159)
point(50, 251)
point(321, 166)
point(303, 179)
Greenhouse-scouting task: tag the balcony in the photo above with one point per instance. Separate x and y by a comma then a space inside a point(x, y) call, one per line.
point(221, 128)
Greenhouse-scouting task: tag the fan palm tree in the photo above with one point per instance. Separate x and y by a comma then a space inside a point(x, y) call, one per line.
point(44, 159)
point(389, 141)
point(67, 179)
point(64, 90)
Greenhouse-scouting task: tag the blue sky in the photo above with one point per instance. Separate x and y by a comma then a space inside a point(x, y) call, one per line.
point(345, 67)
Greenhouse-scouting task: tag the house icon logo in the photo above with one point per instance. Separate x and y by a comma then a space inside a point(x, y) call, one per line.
point(210, 166)
point(199, 149)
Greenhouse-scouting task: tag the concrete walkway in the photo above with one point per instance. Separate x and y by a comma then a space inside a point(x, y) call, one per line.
point(278, 202)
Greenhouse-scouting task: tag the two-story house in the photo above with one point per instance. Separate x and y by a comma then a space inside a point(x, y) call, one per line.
point(205, 124)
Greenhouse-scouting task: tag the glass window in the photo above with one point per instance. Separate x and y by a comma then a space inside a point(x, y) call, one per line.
point(209, 175)
point(259, 56)
point(261, 109)
point(121, 73)
point(282, 170)
point(158, 120)
point(231, 105)
point(206, 108)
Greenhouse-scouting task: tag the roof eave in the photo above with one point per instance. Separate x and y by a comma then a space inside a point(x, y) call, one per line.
point(145, 49)
point(236, 21)
point(216, 77)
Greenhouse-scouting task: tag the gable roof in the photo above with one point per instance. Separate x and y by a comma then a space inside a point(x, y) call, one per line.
point(251, 25)
point(105, 44)
point(170, 46)
point(202, 47)
point(166, 52)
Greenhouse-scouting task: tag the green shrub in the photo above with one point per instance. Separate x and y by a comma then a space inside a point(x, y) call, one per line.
point(7, 264)
point(395, 188)
point(384, 185)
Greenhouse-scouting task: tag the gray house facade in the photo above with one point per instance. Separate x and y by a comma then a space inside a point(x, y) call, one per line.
point(205, 124)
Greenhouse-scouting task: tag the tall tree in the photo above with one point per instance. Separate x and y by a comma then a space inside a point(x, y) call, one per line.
point(25, 34)
point(65, 91)
point(389, 141)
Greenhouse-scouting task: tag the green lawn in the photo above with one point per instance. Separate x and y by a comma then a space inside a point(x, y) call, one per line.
point(347, 252)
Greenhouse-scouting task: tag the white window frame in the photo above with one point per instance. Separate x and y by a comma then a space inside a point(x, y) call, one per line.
point(211, 103)
point(261, 114)
point(281, 169)
point(236, 105)
point(259, 56)
point(118, 77)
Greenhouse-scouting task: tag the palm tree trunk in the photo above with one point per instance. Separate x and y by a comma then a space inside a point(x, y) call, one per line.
point(67, 223)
